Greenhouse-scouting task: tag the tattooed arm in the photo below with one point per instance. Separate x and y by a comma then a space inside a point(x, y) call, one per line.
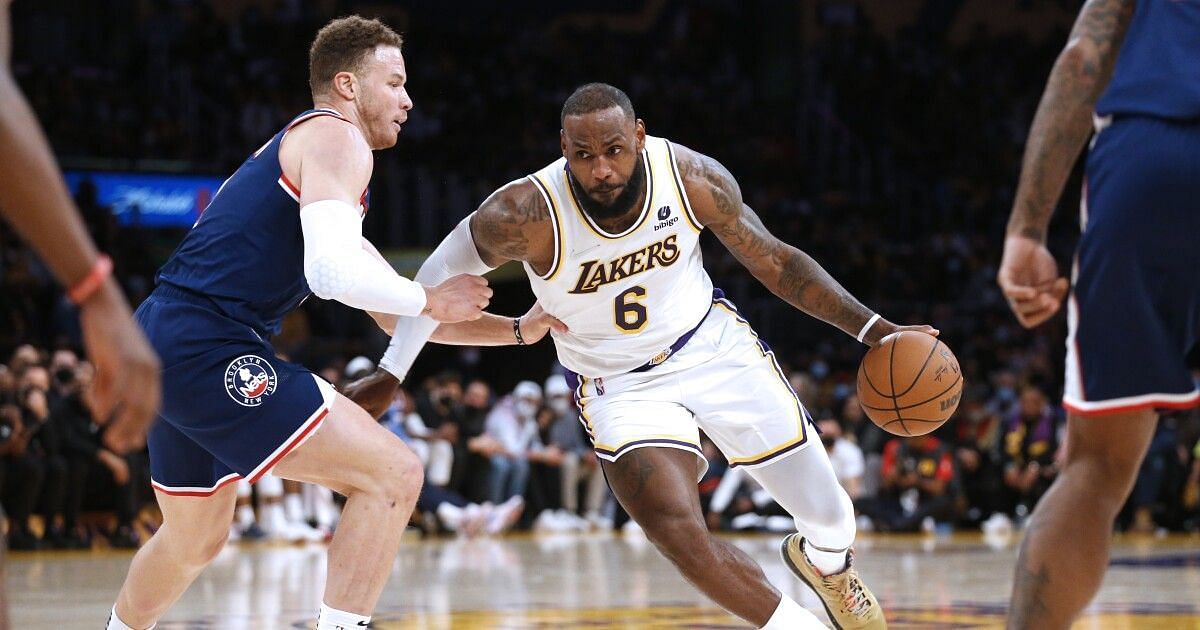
point(1064, 116)
point(1028, 273)
point(512, 224)
point(788, 272)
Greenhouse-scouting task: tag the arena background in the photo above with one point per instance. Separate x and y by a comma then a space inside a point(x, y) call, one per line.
point(883, 137)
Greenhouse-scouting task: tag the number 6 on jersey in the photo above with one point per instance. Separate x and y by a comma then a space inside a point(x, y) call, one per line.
point(629, 313)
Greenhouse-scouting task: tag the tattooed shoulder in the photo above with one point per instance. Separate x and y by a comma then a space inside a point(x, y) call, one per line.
point(509, 223)
point(710, 186)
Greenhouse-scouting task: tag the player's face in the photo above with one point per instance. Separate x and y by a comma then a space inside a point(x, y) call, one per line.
point(604, 152)
point(383, 101)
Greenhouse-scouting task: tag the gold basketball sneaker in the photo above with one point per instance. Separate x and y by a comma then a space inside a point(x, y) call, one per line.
point(848, 602)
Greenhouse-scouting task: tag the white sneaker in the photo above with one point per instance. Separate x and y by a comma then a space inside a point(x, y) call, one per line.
point(505, 515)
point(573, 521)
point(599, 522)
point(548, 521)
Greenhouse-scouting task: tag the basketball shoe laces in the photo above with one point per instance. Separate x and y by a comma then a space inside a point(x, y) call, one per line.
point(854, 597)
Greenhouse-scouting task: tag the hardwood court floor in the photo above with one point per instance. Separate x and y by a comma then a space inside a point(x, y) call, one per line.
point(596, 581)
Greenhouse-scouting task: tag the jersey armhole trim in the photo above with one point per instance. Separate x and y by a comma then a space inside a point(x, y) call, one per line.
point(679, 190)
point(556, 264)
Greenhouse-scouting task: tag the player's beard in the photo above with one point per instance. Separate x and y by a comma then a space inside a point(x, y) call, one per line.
point(622, 204)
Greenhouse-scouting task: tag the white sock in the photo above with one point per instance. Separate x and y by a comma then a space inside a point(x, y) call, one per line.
point(293, 506)
point(115, 623)
point(245, 516)
point(827, 562)
point(333, 619)
point(792, 616)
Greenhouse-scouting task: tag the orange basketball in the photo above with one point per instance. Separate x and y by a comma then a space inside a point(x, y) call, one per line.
point(909, 383)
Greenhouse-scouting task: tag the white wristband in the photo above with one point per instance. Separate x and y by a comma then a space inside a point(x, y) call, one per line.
point(866, 327)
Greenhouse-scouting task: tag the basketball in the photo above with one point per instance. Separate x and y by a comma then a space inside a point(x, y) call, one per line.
point(909, 383)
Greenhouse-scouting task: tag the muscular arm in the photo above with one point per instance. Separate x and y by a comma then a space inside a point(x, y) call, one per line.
point(512, 224)
point(1063, 119)
point(788, 272)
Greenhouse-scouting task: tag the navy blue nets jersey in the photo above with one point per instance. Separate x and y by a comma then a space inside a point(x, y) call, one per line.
point(246, 252)
point(1158, 69)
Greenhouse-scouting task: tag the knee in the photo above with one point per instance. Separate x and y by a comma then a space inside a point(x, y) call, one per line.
point(1108, 480)
point(677, 535)
point(193, 547)
point(399, 477)
point(835, 512)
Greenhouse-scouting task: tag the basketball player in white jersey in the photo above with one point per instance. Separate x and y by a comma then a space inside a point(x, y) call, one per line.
point(609, 236)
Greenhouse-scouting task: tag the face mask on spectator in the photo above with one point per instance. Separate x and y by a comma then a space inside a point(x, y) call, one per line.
point(560, 404)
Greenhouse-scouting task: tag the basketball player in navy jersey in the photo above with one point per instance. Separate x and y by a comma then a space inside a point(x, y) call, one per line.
point(609, 236)
point(1131, 70)
point(286, 224)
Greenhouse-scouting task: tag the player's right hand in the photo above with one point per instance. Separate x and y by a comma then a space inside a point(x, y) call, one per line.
point(459, 299)
point(1029, 279)
point(373, 392)
point(126, 388)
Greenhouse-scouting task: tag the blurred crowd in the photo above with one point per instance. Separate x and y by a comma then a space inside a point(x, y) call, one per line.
point(888, 155)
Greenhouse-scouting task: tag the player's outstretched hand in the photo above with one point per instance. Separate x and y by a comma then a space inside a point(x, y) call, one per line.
point(127, 382)
point(1029, 279)
point(373, 392)
point(459, 299)
point(537, 322)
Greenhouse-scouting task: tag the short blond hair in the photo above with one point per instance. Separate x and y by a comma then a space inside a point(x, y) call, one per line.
point(341, 46)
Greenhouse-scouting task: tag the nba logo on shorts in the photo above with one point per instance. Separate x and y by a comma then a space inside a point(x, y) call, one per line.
point(249, 379)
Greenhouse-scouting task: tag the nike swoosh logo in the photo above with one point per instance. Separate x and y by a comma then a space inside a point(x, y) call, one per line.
point(584, 250)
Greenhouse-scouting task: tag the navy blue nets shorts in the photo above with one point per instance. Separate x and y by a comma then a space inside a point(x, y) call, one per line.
point(231, 409)
point(1135, 308)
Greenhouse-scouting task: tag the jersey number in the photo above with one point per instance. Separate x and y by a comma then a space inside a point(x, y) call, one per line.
point(629, 313)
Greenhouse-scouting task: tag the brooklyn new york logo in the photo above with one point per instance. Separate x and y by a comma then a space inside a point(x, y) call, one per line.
point(249, 379)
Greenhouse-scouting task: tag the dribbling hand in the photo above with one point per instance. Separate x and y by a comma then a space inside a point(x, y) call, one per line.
point(459, 299)
point(1029, 279)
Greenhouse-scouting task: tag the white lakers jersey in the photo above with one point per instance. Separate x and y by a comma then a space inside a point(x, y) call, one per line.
point(625, 297)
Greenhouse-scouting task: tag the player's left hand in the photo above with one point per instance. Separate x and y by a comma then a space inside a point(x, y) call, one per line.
point(537, 322)
point(1029, 279)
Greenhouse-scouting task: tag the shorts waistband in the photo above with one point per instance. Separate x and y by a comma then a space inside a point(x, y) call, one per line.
point(179, 294)
point(174, 293)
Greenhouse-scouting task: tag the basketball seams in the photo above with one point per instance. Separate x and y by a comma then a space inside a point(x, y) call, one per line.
point(924, 365)
point(892, 380)
point(929, 400)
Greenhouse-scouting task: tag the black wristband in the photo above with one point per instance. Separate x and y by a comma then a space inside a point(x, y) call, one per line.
point(517, 331)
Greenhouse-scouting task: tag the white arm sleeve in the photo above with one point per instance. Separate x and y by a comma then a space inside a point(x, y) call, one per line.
point(338, 268)
point(455, 255)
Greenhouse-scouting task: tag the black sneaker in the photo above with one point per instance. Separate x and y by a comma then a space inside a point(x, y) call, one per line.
point(124, 538)
point(23, 540)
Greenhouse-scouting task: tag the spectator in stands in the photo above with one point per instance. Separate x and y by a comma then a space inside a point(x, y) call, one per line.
point(513, 425)
point(97, 476)
point(580, 464)
point(1030, 450)
point(920, 486)
point(845, 456)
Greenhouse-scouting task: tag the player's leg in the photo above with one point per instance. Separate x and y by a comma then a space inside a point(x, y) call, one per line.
point(194, 530)
point(1064, 555)
point(657, 486)
point(761, 425)
point(355, 456)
